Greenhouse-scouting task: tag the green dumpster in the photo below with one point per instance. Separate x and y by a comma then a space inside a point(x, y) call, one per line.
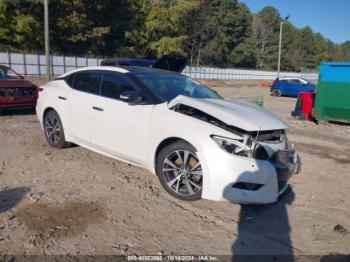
point(333, 93)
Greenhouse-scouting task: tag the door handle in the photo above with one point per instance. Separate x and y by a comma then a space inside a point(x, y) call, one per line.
point(97, 108)
point(62, 98)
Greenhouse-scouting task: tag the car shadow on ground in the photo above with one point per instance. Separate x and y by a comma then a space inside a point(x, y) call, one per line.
point(14, 112)
point(285, 96)
point(9, 198)
point(339, 123)
point(264, 232)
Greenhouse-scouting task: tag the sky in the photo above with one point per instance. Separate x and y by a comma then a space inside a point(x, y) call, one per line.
point(331, 18)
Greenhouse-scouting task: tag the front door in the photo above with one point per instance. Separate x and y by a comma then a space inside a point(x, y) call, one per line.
point(117, 127)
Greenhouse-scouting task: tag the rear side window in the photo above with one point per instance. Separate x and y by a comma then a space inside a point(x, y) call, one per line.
point(87, 82)
point(113, 85)
point(287, 81)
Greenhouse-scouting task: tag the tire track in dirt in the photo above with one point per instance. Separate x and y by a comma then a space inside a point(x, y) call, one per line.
point(336, 139)
point(337, 155)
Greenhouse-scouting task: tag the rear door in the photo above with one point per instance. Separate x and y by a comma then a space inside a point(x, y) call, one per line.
point(85, 86)
point(284, 86)
point(295, 87)
point(291, 87)
point(119, 128)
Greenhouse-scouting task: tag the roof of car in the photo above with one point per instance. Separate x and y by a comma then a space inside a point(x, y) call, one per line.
point(291, 78)
point(140, 70)
point(124, 70)
point(108, 68)
point(286, 78)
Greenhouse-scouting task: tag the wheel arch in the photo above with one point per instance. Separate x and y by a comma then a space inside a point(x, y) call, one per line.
point(280, 89)
point(166, 142)
point(48, 109)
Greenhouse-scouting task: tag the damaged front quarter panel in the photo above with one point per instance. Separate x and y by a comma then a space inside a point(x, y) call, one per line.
point(261, 143)
point(183, 105)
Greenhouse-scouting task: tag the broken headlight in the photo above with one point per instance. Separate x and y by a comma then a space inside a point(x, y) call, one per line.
point(246, 147)
point(232, 146)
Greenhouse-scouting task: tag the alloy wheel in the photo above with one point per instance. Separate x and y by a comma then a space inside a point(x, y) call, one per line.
point(52, 129)
point(182, 173)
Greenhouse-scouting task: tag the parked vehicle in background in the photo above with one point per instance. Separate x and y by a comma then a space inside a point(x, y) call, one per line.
point(288, 86)
point(198, 144)
point(173, 63)
point(15, 91)
point(127, 62)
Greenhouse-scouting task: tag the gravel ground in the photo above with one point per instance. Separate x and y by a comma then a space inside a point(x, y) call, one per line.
point(74, 201)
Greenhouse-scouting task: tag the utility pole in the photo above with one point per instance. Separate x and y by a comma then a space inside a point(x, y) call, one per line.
point(47, 42)
point(280, 46)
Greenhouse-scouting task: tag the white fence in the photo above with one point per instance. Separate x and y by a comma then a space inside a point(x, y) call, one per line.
point(241, 74)
point(34, 64)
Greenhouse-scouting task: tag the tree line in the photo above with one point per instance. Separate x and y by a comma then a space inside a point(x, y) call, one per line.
point(220, 33)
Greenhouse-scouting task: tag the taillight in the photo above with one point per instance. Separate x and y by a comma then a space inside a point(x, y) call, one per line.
point(38, 90)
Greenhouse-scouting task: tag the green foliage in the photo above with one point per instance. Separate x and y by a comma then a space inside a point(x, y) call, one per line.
point(222, 33)
point(20, 26)
point(346, 50)
point(230, 28)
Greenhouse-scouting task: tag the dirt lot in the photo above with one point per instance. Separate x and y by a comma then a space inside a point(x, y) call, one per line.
point(73, 201)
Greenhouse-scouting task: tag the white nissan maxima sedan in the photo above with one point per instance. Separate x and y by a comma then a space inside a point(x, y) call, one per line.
point(198, 144)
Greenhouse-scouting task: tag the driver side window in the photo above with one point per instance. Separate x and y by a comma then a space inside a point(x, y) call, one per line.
point(113, 85)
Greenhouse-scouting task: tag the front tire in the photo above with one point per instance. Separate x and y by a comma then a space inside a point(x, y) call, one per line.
point(179, 171)
point(53, 130)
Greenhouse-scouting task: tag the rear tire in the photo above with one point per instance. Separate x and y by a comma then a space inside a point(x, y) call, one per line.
point(276, 92)
point(53, 130)
point(179, 171)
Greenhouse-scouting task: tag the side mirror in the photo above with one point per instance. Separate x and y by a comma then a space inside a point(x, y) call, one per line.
point(131, 97)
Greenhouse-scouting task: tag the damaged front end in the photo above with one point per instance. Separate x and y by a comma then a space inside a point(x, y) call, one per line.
point(266, 145)
point(278, 152)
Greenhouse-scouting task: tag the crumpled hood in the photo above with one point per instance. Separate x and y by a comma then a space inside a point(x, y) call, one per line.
point(237, 113)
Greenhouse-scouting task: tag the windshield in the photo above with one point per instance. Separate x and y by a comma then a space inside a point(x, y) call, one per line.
point(168, 86)
point(7, 73)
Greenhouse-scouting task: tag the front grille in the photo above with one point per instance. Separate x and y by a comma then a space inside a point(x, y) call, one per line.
point(17, 91)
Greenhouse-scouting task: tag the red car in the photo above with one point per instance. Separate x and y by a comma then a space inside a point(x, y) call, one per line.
point(15, 91)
